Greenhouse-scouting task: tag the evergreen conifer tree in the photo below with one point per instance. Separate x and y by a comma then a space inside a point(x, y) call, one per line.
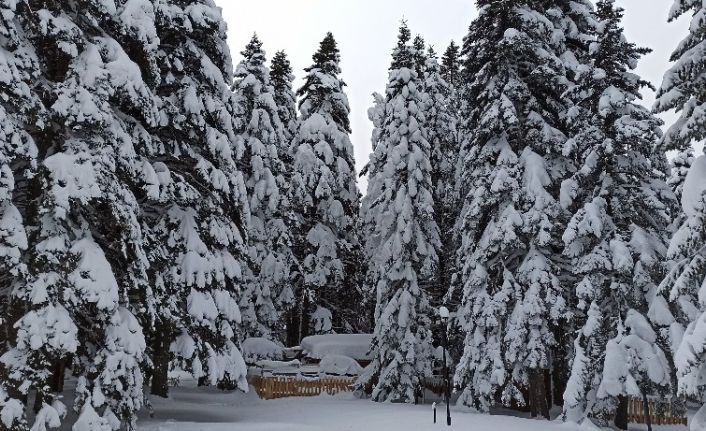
point(683, 288)
point(511, 218)
point(262, 135)
point(94, 68)
point(282, 79)
point(616, 237)
point(440, 123)
point(680, 90)
point(402, 245)
point(324, 186)
point(197, 210)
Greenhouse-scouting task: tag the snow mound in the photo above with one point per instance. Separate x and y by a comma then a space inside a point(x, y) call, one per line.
point(279, 365)
point(694, 186)
point(258, 348)
point(356, 346)
point(339, 365)
point(698, 422)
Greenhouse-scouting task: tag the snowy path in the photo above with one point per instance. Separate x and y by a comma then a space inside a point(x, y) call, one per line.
point(192, 409)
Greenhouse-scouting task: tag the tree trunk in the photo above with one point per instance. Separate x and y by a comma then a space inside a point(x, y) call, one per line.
point(160, 362)
point(291, 324)
point(538, 394)
point(58, 376)
point(548, 388)
point(621, 413)
point(560, 376)
point(38, 401)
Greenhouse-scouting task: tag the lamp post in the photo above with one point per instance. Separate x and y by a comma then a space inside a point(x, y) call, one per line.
point(444, 314)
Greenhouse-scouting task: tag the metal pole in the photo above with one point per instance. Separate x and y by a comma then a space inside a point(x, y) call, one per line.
point(446, 376)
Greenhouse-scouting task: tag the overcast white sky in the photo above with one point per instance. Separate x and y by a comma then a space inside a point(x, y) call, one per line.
point(366, 32)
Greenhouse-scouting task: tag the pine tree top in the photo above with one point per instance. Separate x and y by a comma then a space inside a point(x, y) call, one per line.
point(323, 89)
point(280, 70)
point(253, 49)
point(613, 54)
point(431, 53)
point(403, 56)
point(328, 57)
point(451, 63)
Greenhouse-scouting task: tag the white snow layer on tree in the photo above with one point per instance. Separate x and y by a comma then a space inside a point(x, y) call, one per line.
point(339, 365)
point(694, 187)
point(259, 348)
point(356, 346)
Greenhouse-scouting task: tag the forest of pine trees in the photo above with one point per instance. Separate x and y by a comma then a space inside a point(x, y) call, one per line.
point(161, 202)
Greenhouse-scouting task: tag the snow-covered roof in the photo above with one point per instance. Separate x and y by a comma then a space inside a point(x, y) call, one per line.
point(356, 346)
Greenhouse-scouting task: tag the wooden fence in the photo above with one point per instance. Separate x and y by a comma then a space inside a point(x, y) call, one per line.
point(660, 413)
point(269, 388)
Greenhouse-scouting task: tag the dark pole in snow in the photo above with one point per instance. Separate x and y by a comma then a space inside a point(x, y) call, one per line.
point(433, 406)
point(444, 313)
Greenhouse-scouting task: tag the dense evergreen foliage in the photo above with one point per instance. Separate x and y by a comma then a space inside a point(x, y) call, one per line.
point(159, 206)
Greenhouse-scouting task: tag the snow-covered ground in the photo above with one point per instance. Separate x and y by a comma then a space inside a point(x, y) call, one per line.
point(193, 409)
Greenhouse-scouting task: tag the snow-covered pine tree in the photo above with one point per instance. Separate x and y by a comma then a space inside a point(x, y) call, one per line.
point(197, 210)
point(511, 219)
point(402, 246)
point(21, 110)
point(616, 239)
point(86, 263)
point(325, 189)
point(376, 115)
point(440, 123)
point(683, 90)
point(261, 134)
point(682, 303)
point(282, 81)
point(286, 100)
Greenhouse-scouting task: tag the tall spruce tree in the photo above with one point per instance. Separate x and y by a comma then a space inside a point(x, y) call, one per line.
point(93, 66)
point(616, 237)
point(282, 81)
point(324, 185)
point(402, 246)
point(511, 219)
point(197, 210)
point(682, 89)
point(21, 111)
point(262, 135)
point(376, 115)
point(576, 22)
point(440, 122)
point(681, 307)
